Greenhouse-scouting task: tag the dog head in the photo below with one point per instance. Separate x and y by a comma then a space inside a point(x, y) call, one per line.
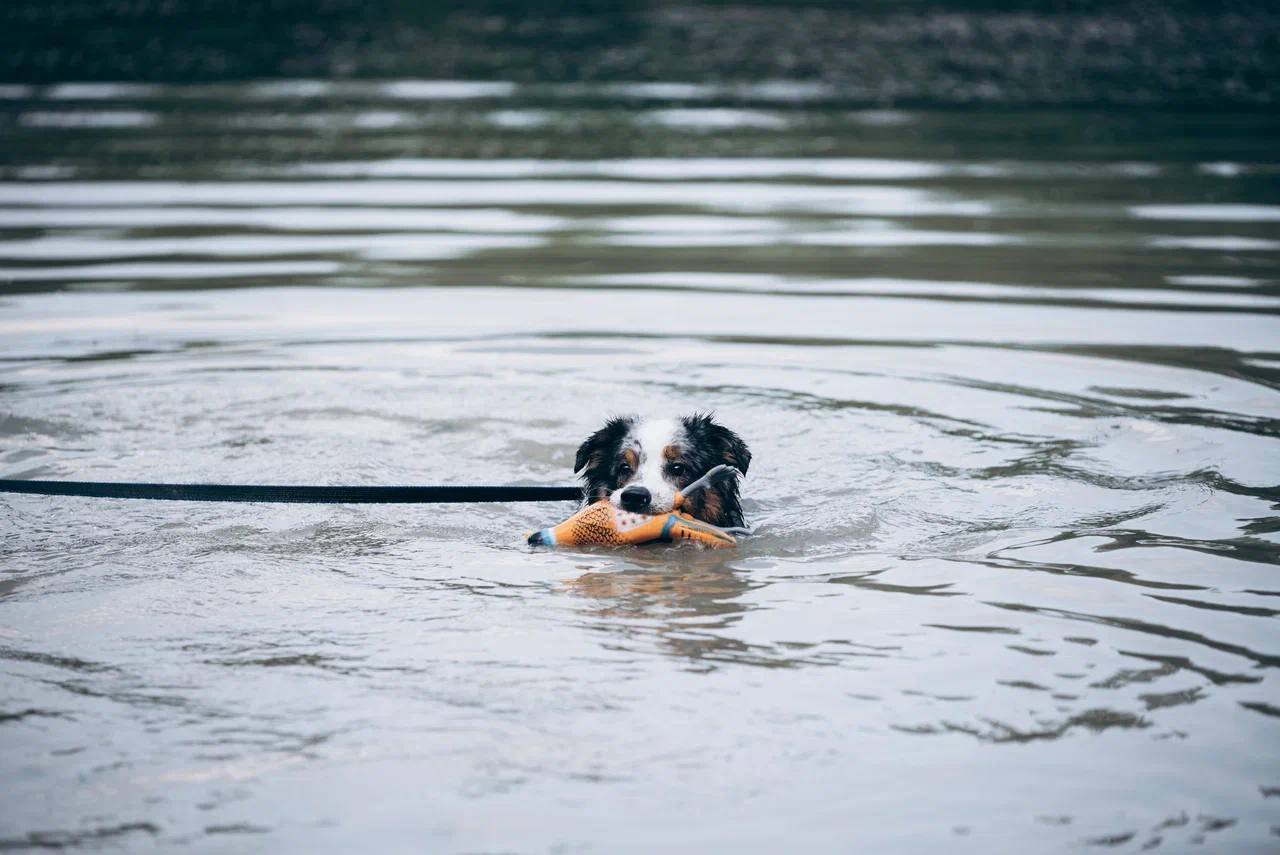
point(639, 464)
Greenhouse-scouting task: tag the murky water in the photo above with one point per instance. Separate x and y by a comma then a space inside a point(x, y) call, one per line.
point(1010, 379)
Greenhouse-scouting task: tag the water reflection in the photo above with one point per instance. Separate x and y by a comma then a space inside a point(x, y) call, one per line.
point(677, 610)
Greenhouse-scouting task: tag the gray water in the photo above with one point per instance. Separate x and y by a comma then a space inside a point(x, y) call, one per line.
point(1010, 378)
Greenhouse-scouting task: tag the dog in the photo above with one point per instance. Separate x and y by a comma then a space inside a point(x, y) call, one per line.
point(638, 464)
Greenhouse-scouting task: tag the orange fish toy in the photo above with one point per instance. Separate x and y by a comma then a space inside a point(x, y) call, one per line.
point(603, 524)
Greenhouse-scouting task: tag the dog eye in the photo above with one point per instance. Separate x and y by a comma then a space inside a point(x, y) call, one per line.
point(677, 469)
point(624, 470)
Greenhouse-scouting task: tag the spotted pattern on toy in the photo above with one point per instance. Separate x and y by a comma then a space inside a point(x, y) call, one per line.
point(603, 524)
point(596, 524)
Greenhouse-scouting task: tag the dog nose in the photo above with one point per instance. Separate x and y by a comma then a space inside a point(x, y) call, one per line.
point(635, 498)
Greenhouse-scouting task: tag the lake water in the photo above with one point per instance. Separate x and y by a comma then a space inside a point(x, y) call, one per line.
point(1011, 379)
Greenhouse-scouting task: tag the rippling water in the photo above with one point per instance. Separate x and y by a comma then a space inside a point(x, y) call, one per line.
point(1010, 379)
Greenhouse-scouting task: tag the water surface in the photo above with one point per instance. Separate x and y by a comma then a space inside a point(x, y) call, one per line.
point(1010, 378)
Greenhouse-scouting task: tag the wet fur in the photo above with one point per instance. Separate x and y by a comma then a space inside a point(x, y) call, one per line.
point(699, 444)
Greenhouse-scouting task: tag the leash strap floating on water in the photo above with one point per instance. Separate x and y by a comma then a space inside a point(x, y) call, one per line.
point(285, 493)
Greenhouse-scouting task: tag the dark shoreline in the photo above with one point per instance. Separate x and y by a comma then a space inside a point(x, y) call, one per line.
point(917, 54)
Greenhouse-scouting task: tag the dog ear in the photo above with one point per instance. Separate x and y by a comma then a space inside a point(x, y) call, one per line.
point(735, 451)
point(593, 449)
point(727, 445)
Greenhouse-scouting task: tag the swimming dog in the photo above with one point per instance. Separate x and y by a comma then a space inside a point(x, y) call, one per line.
point(638, 464)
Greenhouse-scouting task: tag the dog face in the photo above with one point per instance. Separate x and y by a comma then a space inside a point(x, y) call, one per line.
point(639, 464)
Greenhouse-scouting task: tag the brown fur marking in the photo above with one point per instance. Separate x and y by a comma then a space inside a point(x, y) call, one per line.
point(704, 505)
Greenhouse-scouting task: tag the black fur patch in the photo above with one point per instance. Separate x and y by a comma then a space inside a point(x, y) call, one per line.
point(598, 456)
point(710, 444)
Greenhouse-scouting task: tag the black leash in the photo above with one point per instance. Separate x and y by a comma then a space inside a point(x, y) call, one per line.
point(273, 493)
